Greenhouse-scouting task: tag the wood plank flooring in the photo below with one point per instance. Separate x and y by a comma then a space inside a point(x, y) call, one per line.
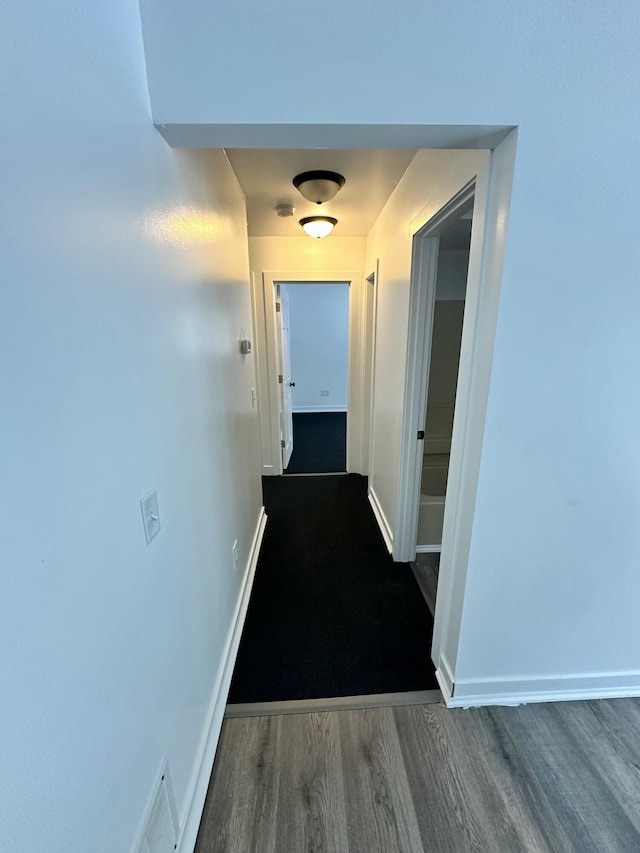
point(425, 569)
point(552, 777)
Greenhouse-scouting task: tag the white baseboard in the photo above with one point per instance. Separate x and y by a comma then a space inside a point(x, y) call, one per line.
point(469, 694)
point(444, 677)
point(204, 764)
point(303, 410)
point(428, 549)
point(383, 524)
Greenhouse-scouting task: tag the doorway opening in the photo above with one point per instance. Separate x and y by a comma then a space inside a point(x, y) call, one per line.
point(440, 266)
point(287, 294)
point(401, 243)
point(447, 298)
point(312, 325)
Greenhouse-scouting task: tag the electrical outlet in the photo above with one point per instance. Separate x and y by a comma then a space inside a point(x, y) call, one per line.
point(324, 393)
point(234, 552)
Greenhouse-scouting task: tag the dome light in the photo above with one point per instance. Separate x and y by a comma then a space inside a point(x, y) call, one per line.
point(318, 226)
point(318, 185)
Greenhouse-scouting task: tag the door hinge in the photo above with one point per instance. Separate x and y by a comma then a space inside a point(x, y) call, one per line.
point(278, 308)
point(282, 444)
point(420, 434)
point(280, 379)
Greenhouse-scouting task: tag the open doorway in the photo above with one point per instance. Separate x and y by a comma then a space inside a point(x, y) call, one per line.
point(447, 319)
point(311, 526)
point(312, 325)
point(279, 400)
point(440, 270)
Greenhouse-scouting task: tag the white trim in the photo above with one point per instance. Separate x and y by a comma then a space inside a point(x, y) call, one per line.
point(374, 345)
point(199, 784)
point(428, 549)
point(491, 213)
point(272, 390)
point(265, 354)
point(422, 298)
point(308, 410)
point(353, 376)
point(368, 371)
point(444, 676)
point(561, 689)
point(381, 518)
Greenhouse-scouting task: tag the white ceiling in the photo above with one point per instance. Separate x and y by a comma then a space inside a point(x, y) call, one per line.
point(265, 175)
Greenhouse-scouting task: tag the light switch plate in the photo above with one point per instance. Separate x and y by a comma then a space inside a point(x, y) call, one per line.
point(150, 515)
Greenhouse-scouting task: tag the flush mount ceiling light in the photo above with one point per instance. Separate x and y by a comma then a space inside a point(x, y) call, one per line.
point(318, 186)
point(318, 226)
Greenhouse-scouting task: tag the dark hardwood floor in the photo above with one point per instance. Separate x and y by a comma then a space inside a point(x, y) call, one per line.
point(551, 777)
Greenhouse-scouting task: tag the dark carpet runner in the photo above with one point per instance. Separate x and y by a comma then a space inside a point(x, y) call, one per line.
point(330, 613)
point(319, 443)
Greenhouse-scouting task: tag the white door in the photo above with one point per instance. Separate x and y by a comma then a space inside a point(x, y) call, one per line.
point(284, 376)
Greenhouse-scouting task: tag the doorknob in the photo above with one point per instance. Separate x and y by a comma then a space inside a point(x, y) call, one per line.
point(292, 385)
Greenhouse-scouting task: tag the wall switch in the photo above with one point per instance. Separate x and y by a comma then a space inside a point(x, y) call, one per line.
point(234, 551)
point(150, 515)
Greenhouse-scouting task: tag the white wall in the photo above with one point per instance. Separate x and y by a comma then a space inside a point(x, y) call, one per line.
point(303, 253)
point(553, 578)
point(124, 293)
point(319, 339)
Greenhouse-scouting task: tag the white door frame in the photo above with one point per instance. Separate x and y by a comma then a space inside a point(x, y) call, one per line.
point(269, 396)
point(284, 387)
point(424, 271)
point(367, 384)
point(486, 259)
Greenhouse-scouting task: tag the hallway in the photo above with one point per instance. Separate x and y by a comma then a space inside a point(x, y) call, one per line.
point(330, 613)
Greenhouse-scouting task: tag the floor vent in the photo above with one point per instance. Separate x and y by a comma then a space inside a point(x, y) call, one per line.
point(160, 833)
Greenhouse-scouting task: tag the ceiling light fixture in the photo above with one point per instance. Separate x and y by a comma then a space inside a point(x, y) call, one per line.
point(318, 185)
point(318, 226)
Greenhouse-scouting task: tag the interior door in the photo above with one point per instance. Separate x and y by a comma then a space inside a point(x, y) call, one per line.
point(284, 376)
